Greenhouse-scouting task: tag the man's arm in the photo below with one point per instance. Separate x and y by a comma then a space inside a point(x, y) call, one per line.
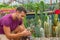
point(21, 28)
point(9, 35)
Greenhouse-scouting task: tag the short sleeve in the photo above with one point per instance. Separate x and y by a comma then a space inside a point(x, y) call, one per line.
point(6, 22)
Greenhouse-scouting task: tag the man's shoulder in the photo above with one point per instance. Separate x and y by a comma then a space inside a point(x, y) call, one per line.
point(6, 17)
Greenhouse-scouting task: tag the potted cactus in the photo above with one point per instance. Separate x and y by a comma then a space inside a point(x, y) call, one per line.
point(57, 30)
point(55, 20)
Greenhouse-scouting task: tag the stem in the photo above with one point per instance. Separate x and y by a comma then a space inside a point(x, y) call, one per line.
point(36, 18)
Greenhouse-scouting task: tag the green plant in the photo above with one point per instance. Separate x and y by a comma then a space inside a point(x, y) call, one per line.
point(46, 28)
point(57, 30)
point(55, 20)
point(3, 5)
point(41, 6)
point(25, 22)
point(29, 6)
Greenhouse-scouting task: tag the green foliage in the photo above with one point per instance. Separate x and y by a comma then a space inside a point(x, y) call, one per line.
point(36, 6)
point(29, 6)
point(41, 6)
point(3, 5)
point(25, 22)
point(37, 32)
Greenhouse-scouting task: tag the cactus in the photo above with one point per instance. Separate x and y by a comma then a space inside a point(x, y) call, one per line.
point(55, 20)
point(57, 29)
point(42, 32)
point(46, 28)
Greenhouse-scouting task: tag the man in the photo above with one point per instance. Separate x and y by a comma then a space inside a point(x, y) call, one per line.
point(13, 23)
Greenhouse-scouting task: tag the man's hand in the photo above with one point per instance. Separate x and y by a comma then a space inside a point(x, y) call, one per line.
point(26, 33)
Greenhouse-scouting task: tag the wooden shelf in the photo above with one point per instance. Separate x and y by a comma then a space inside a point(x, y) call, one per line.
point(50, 12)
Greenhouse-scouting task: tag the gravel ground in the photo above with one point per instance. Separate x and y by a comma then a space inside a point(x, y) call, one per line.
point(47, 38)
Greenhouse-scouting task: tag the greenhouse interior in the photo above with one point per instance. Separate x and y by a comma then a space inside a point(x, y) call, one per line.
point(41, 21)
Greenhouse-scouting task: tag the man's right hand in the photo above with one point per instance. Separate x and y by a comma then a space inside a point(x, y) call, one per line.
point(26, 33)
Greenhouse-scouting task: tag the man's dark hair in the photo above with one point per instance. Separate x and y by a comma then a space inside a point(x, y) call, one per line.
point(20, 9)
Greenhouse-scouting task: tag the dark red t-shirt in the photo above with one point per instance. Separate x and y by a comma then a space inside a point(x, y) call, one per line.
point(9, 22)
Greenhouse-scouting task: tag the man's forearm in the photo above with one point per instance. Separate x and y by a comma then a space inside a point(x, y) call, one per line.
point(11, 36)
